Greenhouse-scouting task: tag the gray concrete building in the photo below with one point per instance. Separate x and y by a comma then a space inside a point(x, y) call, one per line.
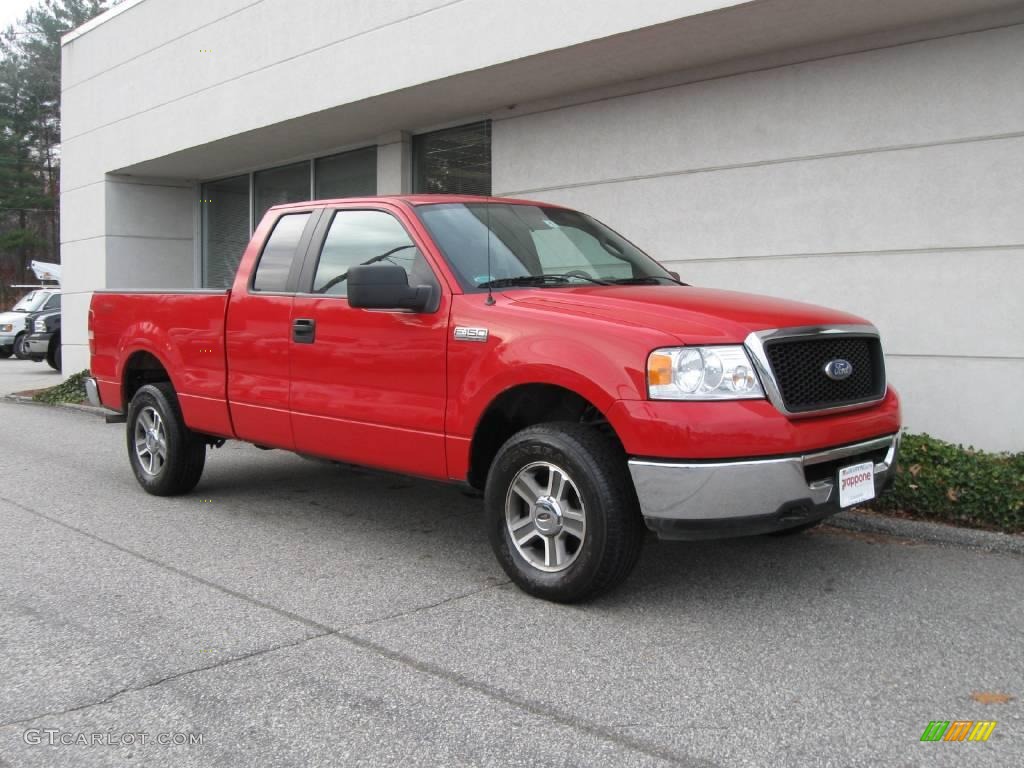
point(865, 155)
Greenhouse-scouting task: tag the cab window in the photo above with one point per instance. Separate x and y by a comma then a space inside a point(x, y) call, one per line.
point(279, 253)
point(361, 237)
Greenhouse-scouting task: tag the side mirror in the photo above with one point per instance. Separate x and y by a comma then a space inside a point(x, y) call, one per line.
point(675, 276)
point(386, 286)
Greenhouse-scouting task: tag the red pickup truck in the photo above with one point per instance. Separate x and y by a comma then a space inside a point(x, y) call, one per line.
point(522, 348)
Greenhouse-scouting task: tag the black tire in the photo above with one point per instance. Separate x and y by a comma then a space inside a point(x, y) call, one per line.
point(5, 352)
point(21, 346)
point(184, 450)
point(596, 470)
point(53, 354)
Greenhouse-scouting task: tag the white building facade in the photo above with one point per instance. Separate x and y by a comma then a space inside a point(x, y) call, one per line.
point(867, 156)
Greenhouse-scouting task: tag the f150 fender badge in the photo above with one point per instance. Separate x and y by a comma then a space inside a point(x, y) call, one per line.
point(837, 370)
point(470, 334)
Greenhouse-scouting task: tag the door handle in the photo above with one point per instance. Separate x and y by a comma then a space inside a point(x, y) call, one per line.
point(304, 331)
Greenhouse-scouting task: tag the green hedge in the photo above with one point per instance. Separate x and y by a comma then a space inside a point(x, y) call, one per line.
point(71, 390)
point(942, 481)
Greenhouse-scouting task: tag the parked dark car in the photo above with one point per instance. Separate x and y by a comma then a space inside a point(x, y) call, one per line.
point(43, 341)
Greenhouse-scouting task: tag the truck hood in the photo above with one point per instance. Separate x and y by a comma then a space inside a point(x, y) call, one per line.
point(17, 319)
point(692, 315)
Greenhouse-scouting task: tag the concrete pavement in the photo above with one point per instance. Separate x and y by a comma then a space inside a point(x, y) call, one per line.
point(296, 613)
point(21, 375)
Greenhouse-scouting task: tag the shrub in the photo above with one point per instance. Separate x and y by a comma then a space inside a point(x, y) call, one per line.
point(942, 481)
point(71, 390)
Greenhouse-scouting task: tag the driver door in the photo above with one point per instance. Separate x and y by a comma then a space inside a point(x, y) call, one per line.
point(367, 386)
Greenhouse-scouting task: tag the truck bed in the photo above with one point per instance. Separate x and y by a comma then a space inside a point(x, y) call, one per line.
point(183, 330)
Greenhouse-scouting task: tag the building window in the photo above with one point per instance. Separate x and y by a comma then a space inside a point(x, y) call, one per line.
point(276, 186)
point(229, 212)
point(454, 161)
point(351, 174)
point(225, 219)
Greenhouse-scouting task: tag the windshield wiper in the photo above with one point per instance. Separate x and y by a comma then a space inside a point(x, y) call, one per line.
point(540, 280)
point(647, 280)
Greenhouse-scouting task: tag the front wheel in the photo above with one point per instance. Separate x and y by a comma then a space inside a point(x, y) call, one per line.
point(166, 456)
point(21, 346)
point(562, 515)
point(53, 354)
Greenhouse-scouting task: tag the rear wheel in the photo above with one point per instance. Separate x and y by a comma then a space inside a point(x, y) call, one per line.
point(166, 456)
point(21, 346)
point(562, 515)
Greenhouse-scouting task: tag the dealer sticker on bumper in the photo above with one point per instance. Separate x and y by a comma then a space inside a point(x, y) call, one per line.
point(856, 484)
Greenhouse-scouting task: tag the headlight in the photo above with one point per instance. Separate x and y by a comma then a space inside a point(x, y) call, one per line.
point(40, 326)
point(6, 328)
point(702, 373)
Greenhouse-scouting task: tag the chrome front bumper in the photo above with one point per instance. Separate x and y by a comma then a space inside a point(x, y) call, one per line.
point(714, 499)
point(38, 346)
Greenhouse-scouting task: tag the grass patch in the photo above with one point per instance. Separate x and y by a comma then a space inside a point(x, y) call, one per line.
point(71, 390)
point(953, 484)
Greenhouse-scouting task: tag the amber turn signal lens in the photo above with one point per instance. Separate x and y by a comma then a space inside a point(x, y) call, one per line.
point(659, 370)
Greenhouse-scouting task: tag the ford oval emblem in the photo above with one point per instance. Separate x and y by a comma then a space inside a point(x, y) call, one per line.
point(837, 370)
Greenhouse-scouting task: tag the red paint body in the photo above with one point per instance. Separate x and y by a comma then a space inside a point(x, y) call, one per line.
point(393, 390)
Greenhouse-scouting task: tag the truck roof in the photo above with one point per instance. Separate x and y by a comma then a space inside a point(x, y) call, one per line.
point(416, 200)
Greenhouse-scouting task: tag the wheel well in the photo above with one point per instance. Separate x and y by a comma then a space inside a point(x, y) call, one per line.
point(520, 407)
point(142, 368)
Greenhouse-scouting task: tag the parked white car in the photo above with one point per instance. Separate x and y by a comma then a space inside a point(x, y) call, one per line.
point(13, 332)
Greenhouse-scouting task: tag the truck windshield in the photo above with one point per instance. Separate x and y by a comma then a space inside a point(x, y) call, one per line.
point(29, 302)
point(534, 246)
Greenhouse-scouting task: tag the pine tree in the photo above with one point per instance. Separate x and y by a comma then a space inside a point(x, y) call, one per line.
point(30, 135)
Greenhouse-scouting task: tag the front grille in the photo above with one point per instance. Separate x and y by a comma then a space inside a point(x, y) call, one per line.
point(799, 368)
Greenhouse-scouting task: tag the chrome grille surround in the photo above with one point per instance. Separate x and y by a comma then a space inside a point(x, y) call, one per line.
point(755, 345)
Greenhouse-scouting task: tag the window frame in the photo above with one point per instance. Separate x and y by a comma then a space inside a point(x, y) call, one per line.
point(319, 239)
point(298, 260)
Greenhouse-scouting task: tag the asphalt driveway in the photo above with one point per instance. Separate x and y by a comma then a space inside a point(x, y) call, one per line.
point(296, 613)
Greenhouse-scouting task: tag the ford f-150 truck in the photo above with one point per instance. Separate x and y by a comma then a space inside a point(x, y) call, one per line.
point(522, 348)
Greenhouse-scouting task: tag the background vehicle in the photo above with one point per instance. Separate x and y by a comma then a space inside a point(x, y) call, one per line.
point(13, 330)
point(43, 342)
point(522, 348)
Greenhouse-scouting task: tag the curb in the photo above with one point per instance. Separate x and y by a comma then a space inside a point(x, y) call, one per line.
point(935, 533)
point(68, 406)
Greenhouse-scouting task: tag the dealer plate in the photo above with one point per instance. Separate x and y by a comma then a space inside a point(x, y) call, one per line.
point(856, 484)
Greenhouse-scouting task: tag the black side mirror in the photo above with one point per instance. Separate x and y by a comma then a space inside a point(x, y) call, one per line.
point(386, 286)
point(675, 276)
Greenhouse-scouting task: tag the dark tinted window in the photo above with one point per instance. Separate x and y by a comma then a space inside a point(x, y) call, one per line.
point(53, 302)
point(358, 237)
point(279, 253)
point(454, 161)
point(225, 229)
point(277, 186)
point(352, 174)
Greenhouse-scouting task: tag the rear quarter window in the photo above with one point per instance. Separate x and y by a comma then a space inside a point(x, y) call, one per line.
point(279, 253)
